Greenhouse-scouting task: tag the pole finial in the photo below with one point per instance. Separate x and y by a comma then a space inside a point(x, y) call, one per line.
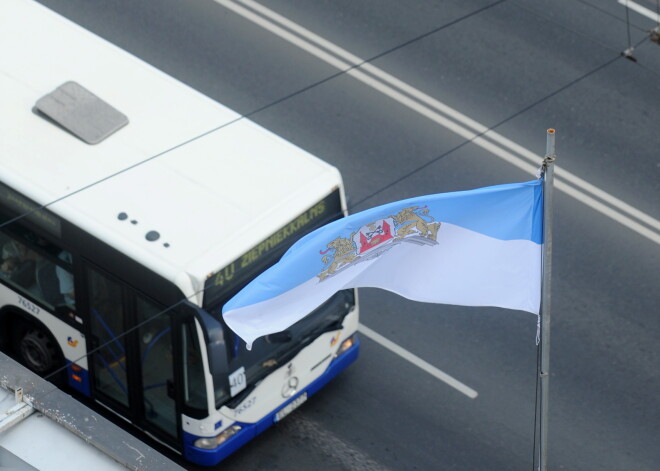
point(550, 146)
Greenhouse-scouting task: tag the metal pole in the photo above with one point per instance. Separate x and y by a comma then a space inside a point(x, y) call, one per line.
point(544, 373)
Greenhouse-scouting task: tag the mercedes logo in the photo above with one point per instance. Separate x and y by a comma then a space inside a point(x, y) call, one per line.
point(290, 387)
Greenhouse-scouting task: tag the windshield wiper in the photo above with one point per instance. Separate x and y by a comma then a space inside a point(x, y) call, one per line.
point(279, 337)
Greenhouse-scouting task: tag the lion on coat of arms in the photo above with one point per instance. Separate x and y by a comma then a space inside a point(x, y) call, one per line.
point(410, 221)
point(343, 253)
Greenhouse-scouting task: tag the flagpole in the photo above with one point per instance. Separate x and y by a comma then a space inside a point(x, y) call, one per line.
point(544, 372)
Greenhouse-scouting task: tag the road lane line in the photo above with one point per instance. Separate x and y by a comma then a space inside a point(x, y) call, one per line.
point(417, 361)
point(456, 122)
point(641, 10)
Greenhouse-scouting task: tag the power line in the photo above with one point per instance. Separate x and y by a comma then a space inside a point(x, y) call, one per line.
point(417, 169)
point(409, 174)
point(285, 98)
point(218, 128)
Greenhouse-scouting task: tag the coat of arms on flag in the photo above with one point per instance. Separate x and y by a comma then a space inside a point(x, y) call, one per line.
point(413, 224)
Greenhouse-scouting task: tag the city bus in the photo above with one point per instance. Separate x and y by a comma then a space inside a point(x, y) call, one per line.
point(132, 208)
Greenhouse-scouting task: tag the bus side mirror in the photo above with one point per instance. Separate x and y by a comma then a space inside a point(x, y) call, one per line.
point(215, 345)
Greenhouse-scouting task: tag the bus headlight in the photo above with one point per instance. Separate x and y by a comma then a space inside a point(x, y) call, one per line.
point(346, 344)
point(214, 442)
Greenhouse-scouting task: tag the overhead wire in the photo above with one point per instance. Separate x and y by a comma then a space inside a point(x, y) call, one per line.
point(289, 96)
point(218, 128)
point(398, 180)
point(283, 99)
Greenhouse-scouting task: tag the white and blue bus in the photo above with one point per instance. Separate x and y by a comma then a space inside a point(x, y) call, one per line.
point(125, 225)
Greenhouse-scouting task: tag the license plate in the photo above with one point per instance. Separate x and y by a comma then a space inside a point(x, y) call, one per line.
point(290, 407)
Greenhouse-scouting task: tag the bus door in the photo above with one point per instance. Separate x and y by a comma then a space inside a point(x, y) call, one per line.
point(132, 373)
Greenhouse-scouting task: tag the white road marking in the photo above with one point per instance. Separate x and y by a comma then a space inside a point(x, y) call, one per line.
point(418, 362)
point(444, 115)
point(641, 10)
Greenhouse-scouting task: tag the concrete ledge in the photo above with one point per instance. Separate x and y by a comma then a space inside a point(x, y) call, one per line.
point(75, 418)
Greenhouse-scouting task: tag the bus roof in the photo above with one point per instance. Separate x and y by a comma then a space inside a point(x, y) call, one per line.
point(209, 198)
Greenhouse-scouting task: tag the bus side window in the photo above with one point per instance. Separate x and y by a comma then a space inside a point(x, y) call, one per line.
point(25, 267)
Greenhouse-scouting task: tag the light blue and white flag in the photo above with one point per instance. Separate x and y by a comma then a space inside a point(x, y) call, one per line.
point(474, 248)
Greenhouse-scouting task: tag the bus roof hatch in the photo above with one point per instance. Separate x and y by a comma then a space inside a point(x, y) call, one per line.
point(80, 112)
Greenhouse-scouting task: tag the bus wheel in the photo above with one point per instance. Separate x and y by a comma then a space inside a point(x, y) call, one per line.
point(38, 351)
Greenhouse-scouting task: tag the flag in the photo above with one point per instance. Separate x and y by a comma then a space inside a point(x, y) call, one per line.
point(480, 247)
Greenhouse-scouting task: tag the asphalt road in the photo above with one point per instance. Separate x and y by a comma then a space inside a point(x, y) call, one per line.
point(517, 68)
